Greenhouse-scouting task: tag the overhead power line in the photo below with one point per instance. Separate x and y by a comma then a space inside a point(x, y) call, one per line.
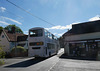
point(29, 13)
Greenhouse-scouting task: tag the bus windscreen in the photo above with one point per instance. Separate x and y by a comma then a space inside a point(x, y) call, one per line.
point(36, 33)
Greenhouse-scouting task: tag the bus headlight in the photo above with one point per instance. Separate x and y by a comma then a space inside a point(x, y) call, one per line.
point(39, 43)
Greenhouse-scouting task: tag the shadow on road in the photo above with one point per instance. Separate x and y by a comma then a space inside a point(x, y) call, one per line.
point(63, 56)
point(26, 63)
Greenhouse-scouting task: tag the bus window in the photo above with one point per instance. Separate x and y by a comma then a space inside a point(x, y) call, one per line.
point(52, 36)
point(40, 33)
point(48, 45)
point(36, 33)
point(46, 33)
point(55, 38)
point(53, 46)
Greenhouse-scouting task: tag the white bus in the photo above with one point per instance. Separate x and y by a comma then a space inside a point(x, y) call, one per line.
point(42, 43)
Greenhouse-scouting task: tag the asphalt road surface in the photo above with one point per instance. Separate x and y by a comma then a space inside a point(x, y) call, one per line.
point(53, 63)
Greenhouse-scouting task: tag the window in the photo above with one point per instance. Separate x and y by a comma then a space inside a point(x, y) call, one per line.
point(36, 33)
point(46, 33)
point(49, 34)
point(52, 36)
point(23, 44)
point(55, 38)
point(50, 46)
point(2, 36)
point(53, 46)
point(12, 43)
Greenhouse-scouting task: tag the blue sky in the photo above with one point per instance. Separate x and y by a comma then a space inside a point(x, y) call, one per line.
point(61, 13)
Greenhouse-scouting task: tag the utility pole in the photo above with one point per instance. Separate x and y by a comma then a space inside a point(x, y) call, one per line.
point(13, 32)
point(15, 45)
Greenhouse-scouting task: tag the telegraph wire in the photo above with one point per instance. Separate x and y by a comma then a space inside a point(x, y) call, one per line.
point(29, 13)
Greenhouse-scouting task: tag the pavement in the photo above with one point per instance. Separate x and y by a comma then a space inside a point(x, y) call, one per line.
point(54, 63)
point(14, 60)
point(76, 65)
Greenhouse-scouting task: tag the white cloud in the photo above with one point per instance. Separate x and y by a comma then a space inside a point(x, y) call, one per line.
point(59, 27)
point(2, 9)
point(60, 34)
point(97, 17)
point(54, 33)
point(75, 23)
point(11, 20)
point(5, 23)
point(47, 28)
point(26, 32)
point(56, 27)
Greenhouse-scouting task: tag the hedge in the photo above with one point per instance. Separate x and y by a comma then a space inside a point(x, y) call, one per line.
point(18, 51)
point(2, 55)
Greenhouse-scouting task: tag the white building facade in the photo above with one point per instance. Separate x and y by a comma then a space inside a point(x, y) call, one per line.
point(83, 40)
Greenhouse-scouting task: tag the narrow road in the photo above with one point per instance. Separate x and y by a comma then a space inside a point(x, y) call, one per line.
point(32, 64)
point(53, 63)
point(76, 65)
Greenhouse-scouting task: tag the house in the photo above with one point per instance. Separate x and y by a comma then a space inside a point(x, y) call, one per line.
point(23, 41)
point(8, 40)
point(83, 39)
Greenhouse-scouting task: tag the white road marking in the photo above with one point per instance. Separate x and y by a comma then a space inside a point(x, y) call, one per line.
point(53, 66)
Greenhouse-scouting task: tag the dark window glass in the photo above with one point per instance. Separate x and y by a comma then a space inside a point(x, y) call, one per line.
point(52, 36)
point(50, 46)
point(2, 36)
point(23, 44)
point(36, 33)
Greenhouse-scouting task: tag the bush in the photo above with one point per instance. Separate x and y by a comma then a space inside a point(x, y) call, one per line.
point(1, 62)
point(2, 55)
point(18, 51)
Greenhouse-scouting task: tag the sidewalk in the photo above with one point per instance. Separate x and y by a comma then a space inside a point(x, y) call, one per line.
point(77, 57)
point(61, 51)
point(14, 60)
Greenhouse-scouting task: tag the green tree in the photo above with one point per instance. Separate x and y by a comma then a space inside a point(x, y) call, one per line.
point(1, 28)
point(17, 29)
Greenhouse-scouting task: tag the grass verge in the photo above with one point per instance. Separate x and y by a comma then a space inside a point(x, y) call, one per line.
point(2, 62)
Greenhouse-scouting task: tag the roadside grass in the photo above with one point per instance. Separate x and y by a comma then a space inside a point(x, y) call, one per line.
point(2, 62)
